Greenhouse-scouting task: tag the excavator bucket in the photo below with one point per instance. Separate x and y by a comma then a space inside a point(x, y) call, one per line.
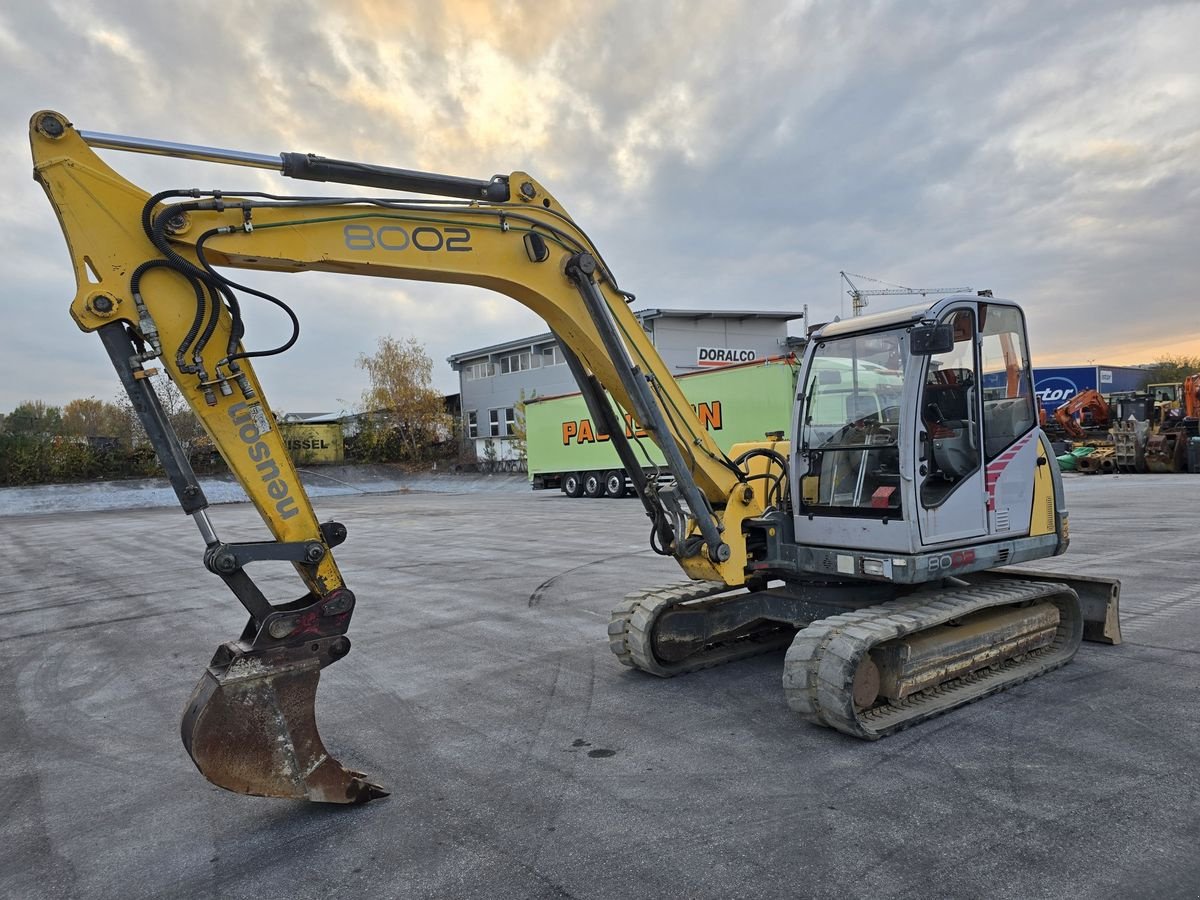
point(250, 727)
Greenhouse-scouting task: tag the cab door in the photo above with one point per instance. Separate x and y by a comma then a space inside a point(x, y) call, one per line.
point(950, 475)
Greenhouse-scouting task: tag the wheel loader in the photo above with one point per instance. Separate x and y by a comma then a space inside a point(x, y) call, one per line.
point(875, 545)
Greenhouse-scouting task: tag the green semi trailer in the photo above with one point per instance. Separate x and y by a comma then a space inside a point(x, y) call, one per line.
point(565, 450)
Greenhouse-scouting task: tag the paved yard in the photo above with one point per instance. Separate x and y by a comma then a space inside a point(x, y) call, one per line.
point(526, 763)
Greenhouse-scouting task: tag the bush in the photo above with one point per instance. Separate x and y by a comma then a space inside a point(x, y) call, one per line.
point(378, 442)
point(33, 459)
point(22, 459)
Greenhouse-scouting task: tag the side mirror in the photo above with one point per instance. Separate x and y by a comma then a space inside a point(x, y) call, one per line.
point(930, 340)
point(829, 376)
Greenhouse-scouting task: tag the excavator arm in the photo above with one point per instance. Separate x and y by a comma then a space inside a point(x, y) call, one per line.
point(150, 273)
point(1089, 400)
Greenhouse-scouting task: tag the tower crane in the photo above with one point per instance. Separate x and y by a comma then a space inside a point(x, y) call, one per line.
point(858, 303)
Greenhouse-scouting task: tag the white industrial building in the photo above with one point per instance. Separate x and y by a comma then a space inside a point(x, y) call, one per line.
point(493, 380)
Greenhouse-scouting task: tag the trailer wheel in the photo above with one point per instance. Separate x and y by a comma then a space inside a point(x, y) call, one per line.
point(614, 483)
point(572, 484)
point(593, 485)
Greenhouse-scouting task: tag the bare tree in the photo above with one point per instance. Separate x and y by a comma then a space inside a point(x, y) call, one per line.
point(179, 414)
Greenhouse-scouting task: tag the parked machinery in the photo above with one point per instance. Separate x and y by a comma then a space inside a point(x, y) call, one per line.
point(1177, 411)
point(1152, 430)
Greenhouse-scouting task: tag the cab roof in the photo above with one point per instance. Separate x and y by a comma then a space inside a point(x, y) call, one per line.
point(902, 316)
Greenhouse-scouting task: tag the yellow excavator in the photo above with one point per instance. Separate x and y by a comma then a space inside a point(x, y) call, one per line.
point(871, 545)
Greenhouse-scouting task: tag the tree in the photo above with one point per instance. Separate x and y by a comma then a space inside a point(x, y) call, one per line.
point(520, 433)
point(179, 415)
point(1172, 369)
point(34, 417)
point(401, 395)
point(90, 417)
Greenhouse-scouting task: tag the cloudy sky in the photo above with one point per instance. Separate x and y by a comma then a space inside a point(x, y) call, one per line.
point(721, 153)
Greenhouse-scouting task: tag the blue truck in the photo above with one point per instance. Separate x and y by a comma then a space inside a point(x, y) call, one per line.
point(1054, 386)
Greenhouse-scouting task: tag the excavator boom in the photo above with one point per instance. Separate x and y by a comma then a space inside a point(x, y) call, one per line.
point(148, 283)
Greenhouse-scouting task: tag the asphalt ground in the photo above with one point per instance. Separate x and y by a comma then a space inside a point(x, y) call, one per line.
point(525, 762)
point(319, 481)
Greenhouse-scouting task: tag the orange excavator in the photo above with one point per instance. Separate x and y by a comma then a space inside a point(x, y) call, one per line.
point(1191, 396)
point(1088, 404)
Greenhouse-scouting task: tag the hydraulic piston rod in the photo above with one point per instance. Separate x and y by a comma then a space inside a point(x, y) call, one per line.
point(309, 167)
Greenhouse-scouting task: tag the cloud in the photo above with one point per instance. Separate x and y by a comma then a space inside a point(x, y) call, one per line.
point(719, 153)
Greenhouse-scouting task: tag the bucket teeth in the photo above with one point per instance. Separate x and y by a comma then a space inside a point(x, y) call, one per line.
point(250, 727)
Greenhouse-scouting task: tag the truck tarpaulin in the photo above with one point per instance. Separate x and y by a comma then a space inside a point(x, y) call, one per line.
point(734, 403)
point(1054, 386)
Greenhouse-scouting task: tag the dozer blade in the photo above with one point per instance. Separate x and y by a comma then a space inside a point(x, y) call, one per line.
point(250, 727)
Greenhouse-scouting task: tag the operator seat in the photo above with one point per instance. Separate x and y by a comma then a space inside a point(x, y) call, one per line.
point(949, 394)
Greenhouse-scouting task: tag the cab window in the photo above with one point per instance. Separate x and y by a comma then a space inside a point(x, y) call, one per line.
point(949, 417)
point(1009, 410)
point(850, 431)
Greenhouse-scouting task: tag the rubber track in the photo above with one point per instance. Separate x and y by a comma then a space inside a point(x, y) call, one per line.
point(631, 630)
point(819, 669)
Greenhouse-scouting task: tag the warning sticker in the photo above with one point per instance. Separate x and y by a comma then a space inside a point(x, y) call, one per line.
point(261, 420)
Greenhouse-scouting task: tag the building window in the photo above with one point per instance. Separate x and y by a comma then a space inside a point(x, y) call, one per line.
point(516, 362)
point(503, 422)
point(472, 423)
point(477, 370)
point(552, 356)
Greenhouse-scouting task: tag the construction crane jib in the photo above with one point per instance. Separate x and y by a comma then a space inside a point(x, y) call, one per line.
point(858, 297)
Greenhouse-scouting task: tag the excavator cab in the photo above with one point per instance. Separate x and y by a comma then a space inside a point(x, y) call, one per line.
point(905, 444)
